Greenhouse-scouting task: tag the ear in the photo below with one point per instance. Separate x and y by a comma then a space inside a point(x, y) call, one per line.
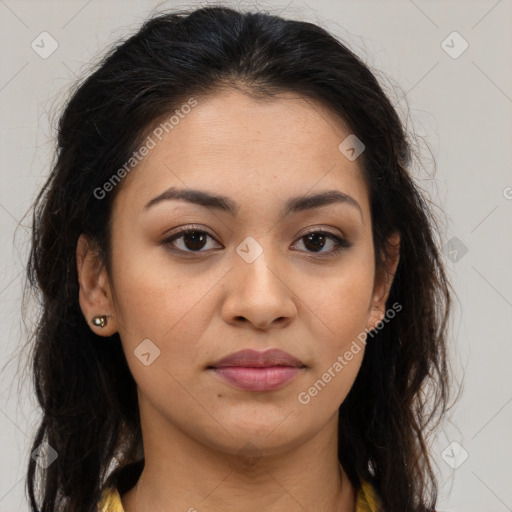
point(95, 296)
point(383, 281)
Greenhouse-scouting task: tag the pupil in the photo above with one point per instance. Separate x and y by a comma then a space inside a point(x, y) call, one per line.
point(315, 236)
point(198, 239)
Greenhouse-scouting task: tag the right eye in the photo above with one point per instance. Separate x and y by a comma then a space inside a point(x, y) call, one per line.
point(192, 240)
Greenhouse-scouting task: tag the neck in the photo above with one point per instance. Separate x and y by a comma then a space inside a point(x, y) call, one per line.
point(182, 474)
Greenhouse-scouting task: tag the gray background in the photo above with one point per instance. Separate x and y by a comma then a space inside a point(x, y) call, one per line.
point(460, 110)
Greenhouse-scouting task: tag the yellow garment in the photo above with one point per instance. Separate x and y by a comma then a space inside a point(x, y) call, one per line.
point(366, 501)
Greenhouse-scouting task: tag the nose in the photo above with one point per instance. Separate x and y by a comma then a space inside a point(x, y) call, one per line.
point(258, 293)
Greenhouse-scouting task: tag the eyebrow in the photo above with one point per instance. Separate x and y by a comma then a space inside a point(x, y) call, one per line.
point(224, 203)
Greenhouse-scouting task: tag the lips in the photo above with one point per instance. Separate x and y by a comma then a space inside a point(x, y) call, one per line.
point(255, 359)
point(252, 370)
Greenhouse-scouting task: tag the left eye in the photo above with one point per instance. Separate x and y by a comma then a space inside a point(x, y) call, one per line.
point(315, 239)
point(193, 240)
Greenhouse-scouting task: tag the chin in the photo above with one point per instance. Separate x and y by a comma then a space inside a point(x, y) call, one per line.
point(272, 433)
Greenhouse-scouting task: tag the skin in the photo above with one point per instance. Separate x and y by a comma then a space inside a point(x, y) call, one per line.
point(198, 430)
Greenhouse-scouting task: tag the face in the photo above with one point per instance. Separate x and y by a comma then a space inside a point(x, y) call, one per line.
point(251, 276)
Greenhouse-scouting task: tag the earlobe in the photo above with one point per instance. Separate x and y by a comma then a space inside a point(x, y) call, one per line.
point(95, 297)
point(384, 277)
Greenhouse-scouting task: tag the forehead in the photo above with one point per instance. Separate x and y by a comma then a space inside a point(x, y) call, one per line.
point(243, 147)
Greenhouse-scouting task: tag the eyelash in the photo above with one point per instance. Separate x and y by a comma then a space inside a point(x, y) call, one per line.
point(341, 243)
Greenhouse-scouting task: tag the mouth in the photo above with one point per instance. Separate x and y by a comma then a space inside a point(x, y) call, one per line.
point(252, 370)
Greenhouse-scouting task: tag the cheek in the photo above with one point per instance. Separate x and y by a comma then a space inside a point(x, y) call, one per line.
point(342, 300)
point(164, 303)
point(339, 344)
point(338, 311)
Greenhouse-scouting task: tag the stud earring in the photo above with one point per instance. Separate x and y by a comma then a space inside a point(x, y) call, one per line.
point(99, 320)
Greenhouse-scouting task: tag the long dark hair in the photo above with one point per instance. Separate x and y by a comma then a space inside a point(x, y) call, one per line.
point(83, 384)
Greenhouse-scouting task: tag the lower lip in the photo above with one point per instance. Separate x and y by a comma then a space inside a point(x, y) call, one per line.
point(257, 378)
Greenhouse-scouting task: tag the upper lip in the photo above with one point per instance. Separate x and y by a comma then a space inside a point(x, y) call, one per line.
point(255, 359)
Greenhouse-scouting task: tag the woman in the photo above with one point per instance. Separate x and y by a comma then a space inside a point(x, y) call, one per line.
point(243, 300)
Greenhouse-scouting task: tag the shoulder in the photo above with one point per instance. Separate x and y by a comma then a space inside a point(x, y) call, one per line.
point(110, 500)
point(121, 480)
point(367, 498)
